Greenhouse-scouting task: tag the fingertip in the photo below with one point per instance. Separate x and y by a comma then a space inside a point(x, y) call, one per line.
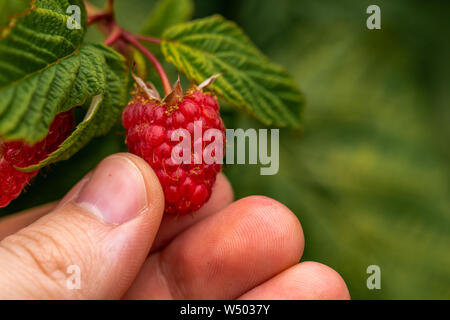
point(305, 281)
point(154, 190)
point(327, 282)
point(226, 254)
point(275, 218)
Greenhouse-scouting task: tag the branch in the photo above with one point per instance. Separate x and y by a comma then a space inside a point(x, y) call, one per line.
point(115, 35)
point(148, 39)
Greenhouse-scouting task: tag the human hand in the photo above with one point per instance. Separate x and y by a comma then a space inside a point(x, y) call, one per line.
point(111, 225)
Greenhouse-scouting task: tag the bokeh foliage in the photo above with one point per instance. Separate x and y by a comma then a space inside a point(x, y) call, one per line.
point(369, 177)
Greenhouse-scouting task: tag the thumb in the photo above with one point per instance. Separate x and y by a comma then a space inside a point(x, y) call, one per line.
point(94, 243)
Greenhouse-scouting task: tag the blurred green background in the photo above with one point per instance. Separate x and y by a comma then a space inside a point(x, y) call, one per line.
point(369, 177)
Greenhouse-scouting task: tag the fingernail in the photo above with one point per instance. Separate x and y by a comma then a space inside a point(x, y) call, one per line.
point(116, 192)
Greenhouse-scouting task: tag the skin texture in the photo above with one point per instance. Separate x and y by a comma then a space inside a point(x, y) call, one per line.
point(111, 225)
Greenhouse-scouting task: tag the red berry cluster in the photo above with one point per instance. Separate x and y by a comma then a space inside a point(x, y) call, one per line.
point(20, 154)
point(149, 125)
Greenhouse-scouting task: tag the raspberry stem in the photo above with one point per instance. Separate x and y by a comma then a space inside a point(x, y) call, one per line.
point(115, 34)
point(95, 14)
point(148, 39)
point(162, 74)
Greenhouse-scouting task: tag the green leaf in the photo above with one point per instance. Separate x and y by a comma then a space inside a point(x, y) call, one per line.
point(105, 106)
point(43, 71)
point(214, 45)
point(166, 14)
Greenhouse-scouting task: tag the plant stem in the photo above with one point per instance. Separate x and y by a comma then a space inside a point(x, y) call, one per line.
point(115, 35)
point(148, 39)
point(131, 39)
point(95, 14)
point(91, 10)
point(110, 6)
point(98, 17)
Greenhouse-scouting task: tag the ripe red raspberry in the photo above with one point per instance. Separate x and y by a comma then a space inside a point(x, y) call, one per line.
point(20, 154)
point(149, 125)
point(12, 182)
